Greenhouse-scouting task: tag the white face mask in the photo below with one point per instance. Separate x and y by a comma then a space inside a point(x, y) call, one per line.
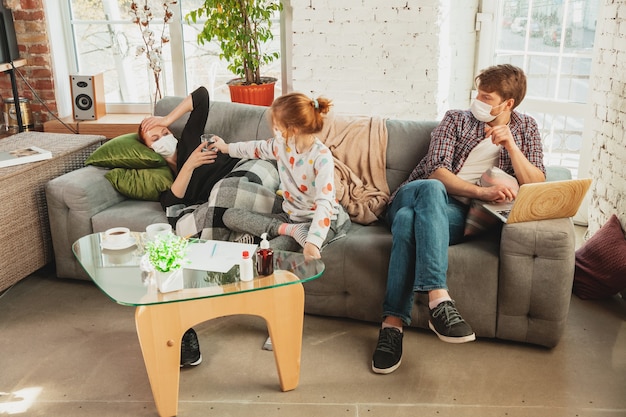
point(482, 111)
point(277, 134)
point(166, 146)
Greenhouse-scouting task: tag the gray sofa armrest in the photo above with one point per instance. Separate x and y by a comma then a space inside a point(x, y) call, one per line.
point(535, 284)
point(73, 199)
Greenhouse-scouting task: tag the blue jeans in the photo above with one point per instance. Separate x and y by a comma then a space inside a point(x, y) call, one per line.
point(424, 222)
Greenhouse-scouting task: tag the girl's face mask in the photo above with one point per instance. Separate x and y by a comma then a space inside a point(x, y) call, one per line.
point(277, 134)
point(165, 146)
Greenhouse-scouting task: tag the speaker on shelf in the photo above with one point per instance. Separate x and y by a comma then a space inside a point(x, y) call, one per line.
point(88, 96)
point(9, 50)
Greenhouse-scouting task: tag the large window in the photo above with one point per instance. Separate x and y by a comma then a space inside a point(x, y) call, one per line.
point(101, 37)
point(552, 40)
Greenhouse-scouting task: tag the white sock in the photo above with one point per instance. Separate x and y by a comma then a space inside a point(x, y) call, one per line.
point(385, 325)
point(436, 302)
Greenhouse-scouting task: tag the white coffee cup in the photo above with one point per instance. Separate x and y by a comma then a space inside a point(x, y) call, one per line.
point(155, 229)
point(117, 236)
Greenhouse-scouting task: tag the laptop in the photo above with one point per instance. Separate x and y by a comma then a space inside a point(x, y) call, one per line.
point(542, 200)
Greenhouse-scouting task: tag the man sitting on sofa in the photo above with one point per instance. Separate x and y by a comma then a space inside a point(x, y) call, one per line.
point(427, 213)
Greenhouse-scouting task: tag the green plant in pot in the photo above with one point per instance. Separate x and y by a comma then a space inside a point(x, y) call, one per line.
point(165, 255)
point(242, 28)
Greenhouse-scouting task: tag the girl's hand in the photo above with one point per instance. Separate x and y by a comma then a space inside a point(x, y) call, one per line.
point(311, 251)
point(220, 145)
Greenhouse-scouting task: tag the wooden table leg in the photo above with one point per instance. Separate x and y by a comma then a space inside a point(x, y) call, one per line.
point(160, 328)
point(160, 334)
point(284, 315)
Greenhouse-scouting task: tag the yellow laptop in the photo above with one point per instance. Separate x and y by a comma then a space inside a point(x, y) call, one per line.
point(543, 200)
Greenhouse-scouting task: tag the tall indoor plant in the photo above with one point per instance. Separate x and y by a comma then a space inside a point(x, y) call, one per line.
point(242, 28)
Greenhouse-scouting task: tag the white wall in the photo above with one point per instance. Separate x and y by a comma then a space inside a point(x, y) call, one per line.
point(404, 59)
point(607, 127)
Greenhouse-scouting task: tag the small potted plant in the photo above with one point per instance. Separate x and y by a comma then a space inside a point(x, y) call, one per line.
point(166, 254)
point(242, 28)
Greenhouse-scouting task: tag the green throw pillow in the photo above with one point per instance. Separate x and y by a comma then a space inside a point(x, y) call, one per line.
point(141, 184)
point(125, 151)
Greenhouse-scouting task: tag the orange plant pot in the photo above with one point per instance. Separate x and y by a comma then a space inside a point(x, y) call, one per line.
point(257, 94)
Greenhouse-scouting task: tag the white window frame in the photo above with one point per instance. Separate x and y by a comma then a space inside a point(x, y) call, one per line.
point(64, 62)
point(486, 21)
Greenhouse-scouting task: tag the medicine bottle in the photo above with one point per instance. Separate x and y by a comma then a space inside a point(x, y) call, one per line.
point(264, 257)
point(246, 269)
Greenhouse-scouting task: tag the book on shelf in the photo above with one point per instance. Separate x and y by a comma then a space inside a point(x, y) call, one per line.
point(23, 156)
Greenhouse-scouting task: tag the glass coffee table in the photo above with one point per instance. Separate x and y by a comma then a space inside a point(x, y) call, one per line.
point(162, 318)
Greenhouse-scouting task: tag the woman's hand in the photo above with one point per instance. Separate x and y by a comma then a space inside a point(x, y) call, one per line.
point(311, 251)
point(200, 156)
point(153, 121)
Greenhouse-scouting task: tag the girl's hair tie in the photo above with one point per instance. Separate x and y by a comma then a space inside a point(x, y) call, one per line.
point(316, 104)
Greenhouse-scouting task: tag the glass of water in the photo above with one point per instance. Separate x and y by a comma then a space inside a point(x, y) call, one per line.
point(208, 139)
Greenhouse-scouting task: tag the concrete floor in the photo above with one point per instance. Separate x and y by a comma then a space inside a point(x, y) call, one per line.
point(67, 350)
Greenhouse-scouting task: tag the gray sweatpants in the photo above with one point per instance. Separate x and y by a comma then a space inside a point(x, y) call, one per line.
point(245, 221)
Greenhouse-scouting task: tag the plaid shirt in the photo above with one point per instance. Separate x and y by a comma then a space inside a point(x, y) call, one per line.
point(459, 132)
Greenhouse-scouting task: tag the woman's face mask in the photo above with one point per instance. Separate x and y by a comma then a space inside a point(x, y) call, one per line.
point(482, 111)
point(165, 146)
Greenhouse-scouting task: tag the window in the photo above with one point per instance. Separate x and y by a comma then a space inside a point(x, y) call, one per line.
point(552, 40)
point(101, 37)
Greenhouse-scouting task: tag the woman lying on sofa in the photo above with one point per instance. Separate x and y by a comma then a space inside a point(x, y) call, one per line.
point(196, 170)
point(206, 183)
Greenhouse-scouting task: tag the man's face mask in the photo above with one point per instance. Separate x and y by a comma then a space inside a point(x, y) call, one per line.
point(482, 111)
point(166, 146)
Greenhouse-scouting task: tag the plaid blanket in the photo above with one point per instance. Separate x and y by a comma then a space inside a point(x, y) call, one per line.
point(251, 185)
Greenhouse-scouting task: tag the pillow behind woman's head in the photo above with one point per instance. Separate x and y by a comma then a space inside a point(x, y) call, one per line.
point(125, 151)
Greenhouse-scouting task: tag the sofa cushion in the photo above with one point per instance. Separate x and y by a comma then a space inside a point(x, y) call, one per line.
point(134, 214)
point(601, 263)
point(141, 184)
point(125, 151)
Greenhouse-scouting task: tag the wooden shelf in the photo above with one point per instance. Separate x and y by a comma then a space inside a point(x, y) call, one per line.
point(110, 125)
point(17, 63)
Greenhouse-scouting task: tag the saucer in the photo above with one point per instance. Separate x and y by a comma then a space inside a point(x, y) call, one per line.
point(117, 246)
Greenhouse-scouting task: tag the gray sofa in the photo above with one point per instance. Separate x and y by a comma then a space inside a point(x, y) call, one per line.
point(513, 284)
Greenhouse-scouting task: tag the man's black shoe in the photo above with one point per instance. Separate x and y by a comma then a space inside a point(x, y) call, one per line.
point(448, 324)
point(388, 353)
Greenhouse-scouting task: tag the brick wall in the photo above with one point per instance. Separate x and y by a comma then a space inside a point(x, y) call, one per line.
point(608, 126)
point(30, 27)
point(396, 58)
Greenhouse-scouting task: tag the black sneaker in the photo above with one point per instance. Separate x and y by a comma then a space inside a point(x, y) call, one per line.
point(388, 353)
point(190, 349)
point(450, 327)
